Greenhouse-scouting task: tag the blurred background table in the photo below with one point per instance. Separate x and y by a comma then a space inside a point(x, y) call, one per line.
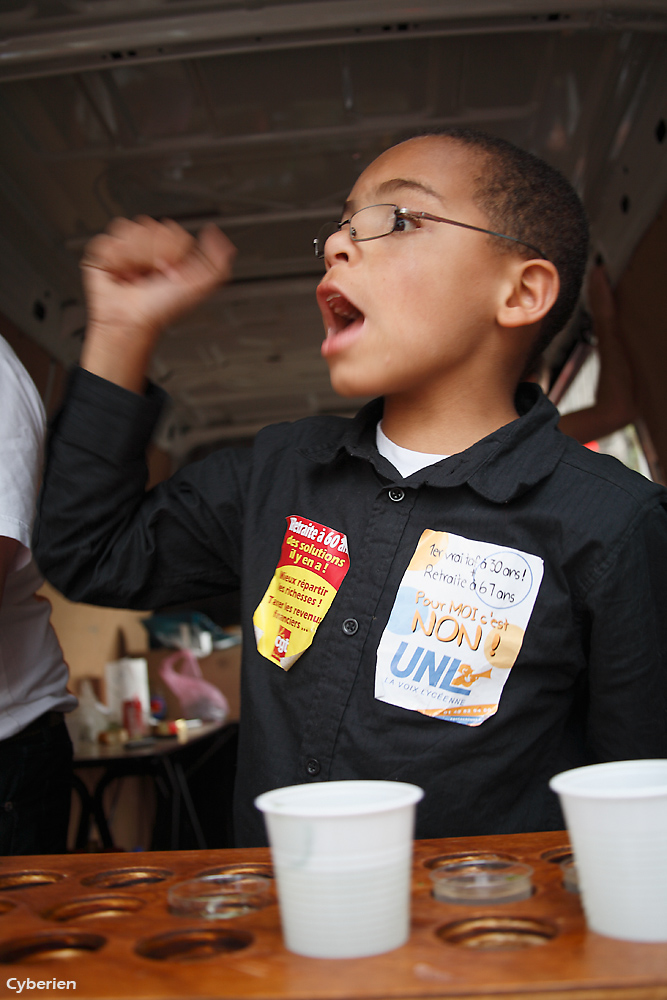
point(177, 765)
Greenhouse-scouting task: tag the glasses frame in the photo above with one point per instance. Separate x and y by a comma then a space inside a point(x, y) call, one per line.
point(406, 213)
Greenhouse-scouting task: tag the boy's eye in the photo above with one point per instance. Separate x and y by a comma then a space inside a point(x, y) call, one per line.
point(405, 224)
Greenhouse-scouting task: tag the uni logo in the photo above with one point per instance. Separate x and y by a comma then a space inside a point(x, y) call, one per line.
point(281, 643)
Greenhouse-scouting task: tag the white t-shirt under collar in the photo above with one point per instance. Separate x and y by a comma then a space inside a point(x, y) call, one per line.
point(403, 459)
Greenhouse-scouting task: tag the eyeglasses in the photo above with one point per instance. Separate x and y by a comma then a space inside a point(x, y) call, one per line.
point(376, 221)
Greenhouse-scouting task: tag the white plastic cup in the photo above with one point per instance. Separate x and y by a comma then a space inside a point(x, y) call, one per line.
point(342, 854)
point(616, 815)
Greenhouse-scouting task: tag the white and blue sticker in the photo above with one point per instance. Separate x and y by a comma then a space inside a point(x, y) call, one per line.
point(456, 627)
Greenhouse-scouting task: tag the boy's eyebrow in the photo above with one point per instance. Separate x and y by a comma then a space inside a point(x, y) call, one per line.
point(398, 184)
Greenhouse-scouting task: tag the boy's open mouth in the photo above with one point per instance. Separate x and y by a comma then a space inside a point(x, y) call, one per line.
point(340, 317)
point(342, 310)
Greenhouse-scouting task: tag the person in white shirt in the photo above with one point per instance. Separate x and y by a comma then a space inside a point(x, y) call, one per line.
point(35, 749)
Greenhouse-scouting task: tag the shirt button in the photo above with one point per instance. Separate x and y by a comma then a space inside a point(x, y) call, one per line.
point(350, 626)
point(396, 495)
point(313, 767)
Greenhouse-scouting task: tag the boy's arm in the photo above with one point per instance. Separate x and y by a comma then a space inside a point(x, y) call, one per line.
point(138, 277)
point(627, 715)
point(99, 536)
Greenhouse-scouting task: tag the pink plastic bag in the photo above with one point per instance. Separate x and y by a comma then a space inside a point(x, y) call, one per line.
point(199, 699)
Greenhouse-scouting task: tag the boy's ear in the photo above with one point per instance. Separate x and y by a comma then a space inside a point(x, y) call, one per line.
point(533, 289)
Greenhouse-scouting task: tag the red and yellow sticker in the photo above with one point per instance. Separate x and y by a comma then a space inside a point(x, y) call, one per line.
point(312, 565)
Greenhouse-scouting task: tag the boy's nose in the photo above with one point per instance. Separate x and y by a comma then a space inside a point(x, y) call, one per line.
point(339, 247)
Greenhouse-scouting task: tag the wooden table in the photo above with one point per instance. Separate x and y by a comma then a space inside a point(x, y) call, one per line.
point(101, 921)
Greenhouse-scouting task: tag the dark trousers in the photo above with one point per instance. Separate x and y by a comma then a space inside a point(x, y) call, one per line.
point(36, 788)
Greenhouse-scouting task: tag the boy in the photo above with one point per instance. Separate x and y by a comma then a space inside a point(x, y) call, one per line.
point(472, 623)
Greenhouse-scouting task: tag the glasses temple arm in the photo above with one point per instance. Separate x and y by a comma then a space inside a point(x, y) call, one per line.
point(478, 229)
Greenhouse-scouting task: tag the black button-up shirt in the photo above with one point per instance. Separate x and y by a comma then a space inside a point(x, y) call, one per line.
point(589, 682)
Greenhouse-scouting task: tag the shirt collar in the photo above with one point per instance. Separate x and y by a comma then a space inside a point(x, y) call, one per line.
point(500, 467)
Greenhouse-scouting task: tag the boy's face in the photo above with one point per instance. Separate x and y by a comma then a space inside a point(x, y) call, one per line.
point(411, 310)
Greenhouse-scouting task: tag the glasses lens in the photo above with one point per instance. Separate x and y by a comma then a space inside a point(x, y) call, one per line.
point(327, 230)
point(366, 224)
point(372, 222)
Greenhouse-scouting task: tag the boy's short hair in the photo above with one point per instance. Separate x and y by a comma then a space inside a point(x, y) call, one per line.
point(525, 197)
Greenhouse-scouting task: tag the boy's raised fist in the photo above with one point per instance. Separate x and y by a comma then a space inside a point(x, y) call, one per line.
point(145, 274)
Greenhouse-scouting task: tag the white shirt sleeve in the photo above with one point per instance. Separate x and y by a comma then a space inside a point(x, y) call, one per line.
point(22, 428)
